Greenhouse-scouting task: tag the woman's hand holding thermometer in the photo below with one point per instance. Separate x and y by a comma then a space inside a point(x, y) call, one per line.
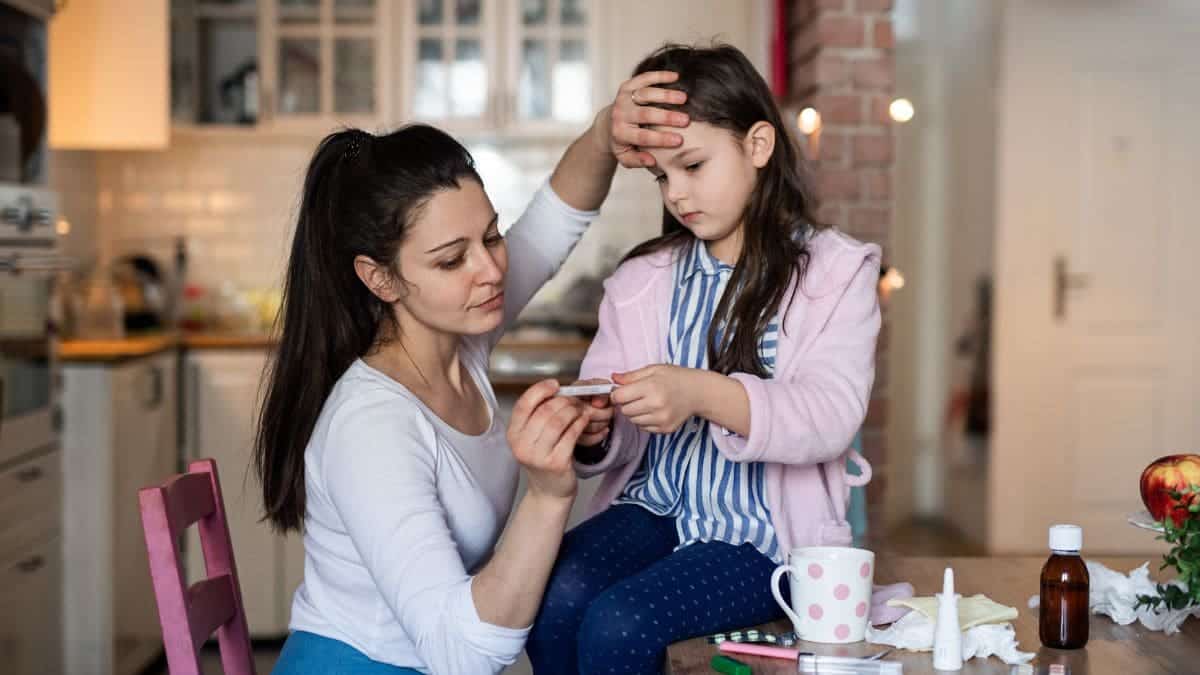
point(600, 409)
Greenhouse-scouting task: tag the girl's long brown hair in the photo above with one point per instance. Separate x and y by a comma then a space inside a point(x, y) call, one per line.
point(725, 90)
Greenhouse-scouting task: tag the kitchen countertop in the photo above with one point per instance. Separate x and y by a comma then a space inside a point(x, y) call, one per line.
point(111, 351)
point(135, 346)
point(227, 341)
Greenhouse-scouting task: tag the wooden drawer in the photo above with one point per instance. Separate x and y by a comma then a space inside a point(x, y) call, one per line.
point(30, 502)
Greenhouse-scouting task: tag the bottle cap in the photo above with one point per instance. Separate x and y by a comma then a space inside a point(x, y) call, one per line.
point(1066, 538)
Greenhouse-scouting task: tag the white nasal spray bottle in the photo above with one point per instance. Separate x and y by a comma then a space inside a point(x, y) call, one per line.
point(947, 635)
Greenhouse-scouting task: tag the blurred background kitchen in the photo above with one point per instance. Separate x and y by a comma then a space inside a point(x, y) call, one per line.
point(1028, 166)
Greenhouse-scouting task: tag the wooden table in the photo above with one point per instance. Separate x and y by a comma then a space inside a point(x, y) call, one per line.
point(1126, 650)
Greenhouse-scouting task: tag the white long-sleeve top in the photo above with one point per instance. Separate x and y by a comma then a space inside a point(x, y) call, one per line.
point(403, 509)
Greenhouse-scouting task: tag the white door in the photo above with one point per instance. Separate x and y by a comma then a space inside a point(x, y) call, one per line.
point(1100, 169)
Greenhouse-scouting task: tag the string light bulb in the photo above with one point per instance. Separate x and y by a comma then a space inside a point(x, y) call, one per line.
point(901, 110)
point(809, 121)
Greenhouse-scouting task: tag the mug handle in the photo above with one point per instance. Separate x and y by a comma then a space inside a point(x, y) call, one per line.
point(780, 571)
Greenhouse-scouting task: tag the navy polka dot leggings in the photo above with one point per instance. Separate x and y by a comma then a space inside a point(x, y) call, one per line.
point(619, 595)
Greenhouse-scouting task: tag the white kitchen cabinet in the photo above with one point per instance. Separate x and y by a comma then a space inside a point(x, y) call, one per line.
point(508, 67)
point(222, 395)
point(631, 29)
point(31, 636)
point(146, 452)
point(30, 501)
point(491, 68)
point(294, 66)
point(30, 564)
point(119, 435)
point(109, 75)
point(540, 69)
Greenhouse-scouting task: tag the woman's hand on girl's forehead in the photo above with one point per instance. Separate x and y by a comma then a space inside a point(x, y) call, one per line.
point(634, 109)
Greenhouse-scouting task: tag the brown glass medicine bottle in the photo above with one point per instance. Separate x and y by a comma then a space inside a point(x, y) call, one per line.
point(1063, 612)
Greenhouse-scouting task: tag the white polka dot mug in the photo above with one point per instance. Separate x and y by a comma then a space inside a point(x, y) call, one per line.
point(831, 592)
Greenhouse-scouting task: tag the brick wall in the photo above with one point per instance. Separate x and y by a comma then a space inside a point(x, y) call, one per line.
point(841, 63)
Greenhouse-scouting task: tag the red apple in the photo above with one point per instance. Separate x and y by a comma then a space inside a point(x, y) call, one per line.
point(1167, 474)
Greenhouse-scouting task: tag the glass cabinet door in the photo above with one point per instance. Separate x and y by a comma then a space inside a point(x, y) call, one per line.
point(327, 59)
point(265, 61)
point(553, 72)
point(214, 62)
point(453, 74)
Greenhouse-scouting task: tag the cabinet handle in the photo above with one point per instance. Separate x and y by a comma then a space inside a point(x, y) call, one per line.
point(30, 474)
point(3, 412)
point(192, 427)
point(31, 564)
point(156, 388)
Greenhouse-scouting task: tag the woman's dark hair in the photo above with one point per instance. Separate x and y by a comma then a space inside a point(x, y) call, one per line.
point(361, 194)
point(724, 90)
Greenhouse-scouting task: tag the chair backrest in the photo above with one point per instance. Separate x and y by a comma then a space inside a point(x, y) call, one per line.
point(190, 614)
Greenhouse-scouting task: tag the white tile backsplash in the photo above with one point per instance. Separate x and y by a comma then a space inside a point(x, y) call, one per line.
point(73, 174)
point(234, 200)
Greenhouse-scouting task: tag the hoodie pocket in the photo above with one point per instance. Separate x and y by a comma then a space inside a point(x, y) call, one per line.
point(834, 533)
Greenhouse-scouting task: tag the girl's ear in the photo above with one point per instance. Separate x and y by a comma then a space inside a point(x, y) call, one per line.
point(759, 143)
point(378, 278)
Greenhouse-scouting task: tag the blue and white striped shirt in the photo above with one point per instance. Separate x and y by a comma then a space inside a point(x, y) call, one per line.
point(682, 474)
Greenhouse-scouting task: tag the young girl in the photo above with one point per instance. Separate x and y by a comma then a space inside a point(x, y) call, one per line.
point(743, 343)
point(380, 438)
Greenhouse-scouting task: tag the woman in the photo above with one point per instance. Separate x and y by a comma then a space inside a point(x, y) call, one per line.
point(379, 438)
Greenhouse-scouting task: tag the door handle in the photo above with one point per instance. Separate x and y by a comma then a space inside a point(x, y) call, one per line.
point(1064, 282)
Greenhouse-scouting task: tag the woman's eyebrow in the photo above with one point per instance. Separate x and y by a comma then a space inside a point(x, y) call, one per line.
point(462, 240)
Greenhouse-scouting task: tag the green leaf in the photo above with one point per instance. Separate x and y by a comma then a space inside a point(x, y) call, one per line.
point(1183, 555)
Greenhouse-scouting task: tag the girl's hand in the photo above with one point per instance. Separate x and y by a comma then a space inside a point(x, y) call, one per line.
point(658, 398)
point(600, 414)
point(633, 110)
point(542, 434)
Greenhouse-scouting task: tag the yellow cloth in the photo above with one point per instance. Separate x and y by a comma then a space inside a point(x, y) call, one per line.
point(976, 610)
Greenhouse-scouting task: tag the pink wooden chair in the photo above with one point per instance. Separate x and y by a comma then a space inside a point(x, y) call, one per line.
point(190, 614)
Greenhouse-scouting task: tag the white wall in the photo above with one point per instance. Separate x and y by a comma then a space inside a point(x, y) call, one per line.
point(945, 166)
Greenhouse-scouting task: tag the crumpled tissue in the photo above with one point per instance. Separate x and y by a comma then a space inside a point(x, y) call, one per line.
point(983, 637)
point(1114, 595)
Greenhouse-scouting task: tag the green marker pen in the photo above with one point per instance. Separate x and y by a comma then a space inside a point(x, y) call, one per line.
point(724, 664)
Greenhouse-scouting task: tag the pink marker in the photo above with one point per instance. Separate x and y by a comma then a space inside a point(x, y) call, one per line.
point(807, 662)
point(760, 650)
